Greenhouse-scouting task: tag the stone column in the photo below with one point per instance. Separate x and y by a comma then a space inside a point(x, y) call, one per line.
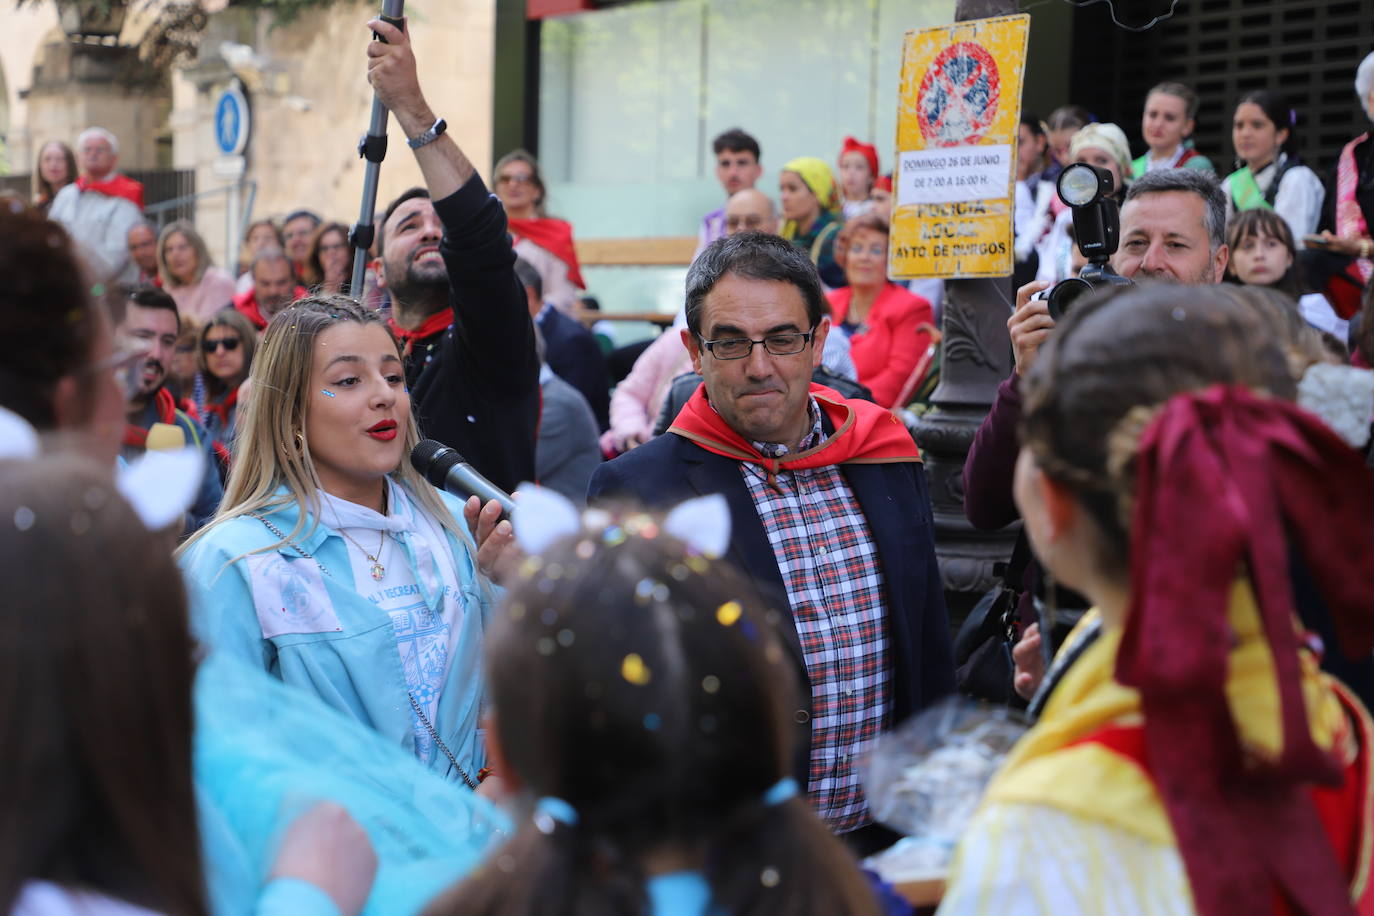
point(76, 85)
point(975, 358)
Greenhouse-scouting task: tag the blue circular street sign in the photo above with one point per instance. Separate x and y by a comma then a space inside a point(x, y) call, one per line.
point(232, 121)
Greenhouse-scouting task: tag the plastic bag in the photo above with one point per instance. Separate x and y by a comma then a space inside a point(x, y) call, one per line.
point(926, 779)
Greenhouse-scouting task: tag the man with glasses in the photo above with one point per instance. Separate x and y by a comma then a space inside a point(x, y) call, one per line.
point(100, 208)
point(296, 231)
point(750, 210)
point(830, 514)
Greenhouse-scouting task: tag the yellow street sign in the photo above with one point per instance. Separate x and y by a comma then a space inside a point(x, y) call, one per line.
point(955, 174)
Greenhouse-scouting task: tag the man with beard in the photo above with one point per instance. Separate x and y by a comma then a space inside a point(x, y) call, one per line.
point(1173, 228)
point(274, 287)
point(457, 308)
point(296, 231)
point(151, 321)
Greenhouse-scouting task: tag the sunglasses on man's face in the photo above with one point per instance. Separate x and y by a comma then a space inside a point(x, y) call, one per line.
point(230, 344)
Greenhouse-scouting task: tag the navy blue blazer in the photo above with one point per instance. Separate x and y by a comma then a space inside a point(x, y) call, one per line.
point(896, 503)
point(574, 356)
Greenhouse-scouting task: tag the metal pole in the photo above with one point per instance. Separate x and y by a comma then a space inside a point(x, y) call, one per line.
point(371, 147)
point(234, 219)
point(976, 358)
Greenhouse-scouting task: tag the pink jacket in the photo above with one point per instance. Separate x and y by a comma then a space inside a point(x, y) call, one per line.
point(200, 301)
point(639, 397)
point(1349, 220)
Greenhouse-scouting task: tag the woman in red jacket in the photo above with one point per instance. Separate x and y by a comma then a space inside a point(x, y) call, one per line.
point(546, 242)
point(884, 321)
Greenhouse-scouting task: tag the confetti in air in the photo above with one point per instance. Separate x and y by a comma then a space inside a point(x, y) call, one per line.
point(634, 670)
point(729, 613)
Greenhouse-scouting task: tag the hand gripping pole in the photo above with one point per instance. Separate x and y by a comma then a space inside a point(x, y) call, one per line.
point(371, 147)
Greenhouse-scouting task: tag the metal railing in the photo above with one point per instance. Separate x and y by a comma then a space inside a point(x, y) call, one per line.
point(159, 185)
point(237, 213)
point(170, 194)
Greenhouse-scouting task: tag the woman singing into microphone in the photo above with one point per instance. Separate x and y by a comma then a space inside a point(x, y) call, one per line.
point(331, 563)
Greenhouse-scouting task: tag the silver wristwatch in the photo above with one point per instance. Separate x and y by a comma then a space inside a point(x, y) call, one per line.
point(428, 136)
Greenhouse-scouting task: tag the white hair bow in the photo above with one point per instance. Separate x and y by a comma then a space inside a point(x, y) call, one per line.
point(160, 485)
point(542, 516)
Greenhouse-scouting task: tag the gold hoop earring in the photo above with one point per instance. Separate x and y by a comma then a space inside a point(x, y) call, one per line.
point(300, 443)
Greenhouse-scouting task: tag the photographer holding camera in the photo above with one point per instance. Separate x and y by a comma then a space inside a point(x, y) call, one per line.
point(1172, 229)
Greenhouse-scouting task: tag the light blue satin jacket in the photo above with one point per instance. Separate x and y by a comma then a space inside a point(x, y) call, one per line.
point(279, 611)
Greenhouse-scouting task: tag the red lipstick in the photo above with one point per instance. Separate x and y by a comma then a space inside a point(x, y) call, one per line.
point(383, 431)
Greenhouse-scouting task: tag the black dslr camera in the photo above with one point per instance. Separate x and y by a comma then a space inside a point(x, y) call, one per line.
point(1086, 189)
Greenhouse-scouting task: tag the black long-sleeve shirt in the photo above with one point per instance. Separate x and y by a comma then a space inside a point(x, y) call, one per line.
point(475, 386)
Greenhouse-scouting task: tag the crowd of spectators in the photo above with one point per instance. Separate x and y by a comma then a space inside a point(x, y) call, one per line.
point(288, 674)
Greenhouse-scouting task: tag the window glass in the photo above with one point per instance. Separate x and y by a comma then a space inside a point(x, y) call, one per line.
point(631, 97)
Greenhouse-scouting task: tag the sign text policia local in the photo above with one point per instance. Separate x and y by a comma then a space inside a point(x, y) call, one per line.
point(958, 110)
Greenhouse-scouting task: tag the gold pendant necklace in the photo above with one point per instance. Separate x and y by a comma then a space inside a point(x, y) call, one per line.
point(378, 571)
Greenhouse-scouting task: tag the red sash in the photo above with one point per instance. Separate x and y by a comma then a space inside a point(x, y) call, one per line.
point(221, 409)
point(554, 236)
point(1346, 810)
point(114, 186)
point(434, 324)
point(864, 434)
point(166, 405)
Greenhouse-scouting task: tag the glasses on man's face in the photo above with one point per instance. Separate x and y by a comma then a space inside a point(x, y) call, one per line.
point(230, 344)
point(749, 223)
point(774, 344)
point(515, 179)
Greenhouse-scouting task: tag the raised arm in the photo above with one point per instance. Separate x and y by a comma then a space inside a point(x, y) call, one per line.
point(391, 71)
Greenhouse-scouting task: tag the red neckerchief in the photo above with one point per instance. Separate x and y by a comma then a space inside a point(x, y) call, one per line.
point(166, 405)
point(434, 324)
point(247, 303)
point(864, 434)
point(222, 409)
point(555, 237)
point(115, 186)
point(1226, 481)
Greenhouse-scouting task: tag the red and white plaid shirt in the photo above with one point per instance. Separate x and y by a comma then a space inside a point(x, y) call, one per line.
point(829, 567)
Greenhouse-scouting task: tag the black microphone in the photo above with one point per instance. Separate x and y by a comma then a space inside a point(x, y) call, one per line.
point(448, 470)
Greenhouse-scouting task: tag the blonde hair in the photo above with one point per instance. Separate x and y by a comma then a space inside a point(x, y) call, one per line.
point(187, 231)
point(537, 179)
point(268, 455)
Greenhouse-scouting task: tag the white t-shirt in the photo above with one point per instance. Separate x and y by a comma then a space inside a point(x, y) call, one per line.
point(1299, 199)
point(1317, 311)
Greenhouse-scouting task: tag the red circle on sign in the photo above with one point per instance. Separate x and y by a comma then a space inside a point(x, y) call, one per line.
point(958, 96)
